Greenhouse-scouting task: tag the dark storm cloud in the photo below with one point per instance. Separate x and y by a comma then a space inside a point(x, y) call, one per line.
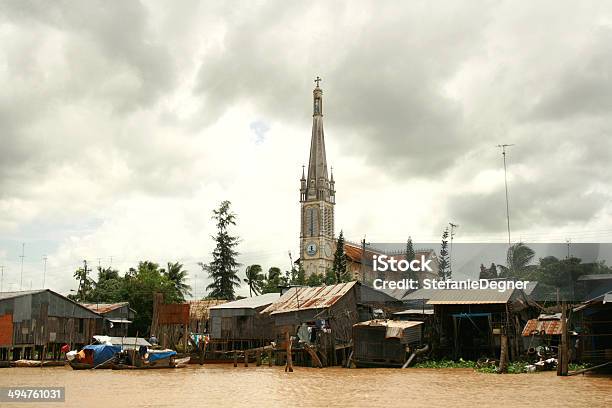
point(584, 86)
point(117, 30)
point(415, 88)
point(67, 58)
point(384, 75)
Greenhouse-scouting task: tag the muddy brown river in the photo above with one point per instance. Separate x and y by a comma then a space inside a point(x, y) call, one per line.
point(226, 386)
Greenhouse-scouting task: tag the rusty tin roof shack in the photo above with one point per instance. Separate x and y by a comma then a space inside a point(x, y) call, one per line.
point(330, 311)
point(383, 343)
point(471, 321)
point(117, 317)
point(304, 304)
point(241, 320)
point(43, 317)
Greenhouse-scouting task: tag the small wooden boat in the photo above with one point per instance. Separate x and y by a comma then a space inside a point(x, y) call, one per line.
point(37, 363)
point(173, 363)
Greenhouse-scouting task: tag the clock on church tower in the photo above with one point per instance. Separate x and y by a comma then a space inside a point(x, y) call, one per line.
point(317, 199)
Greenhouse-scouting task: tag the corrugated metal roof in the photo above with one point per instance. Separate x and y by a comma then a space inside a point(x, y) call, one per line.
point(395, 293)
point(104, 307)
point(122, 341)
point(461, 296)
point(596, 276)
point(10, 295)
point(318, 297)
point(250, 302)
point(402, 324)
point(353, 252)
point(414, 311)
point(539, 327)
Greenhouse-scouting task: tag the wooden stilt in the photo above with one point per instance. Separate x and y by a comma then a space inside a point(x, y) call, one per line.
point(258, 358)
point(269, 358)
point(503, 355)
point(246, 358)
point(562, 360)
point(289, 366)
point(235, 358)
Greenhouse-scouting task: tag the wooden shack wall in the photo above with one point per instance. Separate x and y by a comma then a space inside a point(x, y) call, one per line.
point(372, 348)
point(341, 317)
point(240, 324)
point(45, 317)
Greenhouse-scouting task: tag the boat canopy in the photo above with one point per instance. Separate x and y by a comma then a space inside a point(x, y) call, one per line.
point(155, 355)
point(102, 352)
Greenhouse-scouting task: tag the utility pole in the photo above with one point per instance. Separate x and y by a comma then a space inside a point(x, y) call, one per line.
point(195, 287)
point(83, 281)
point(503, 147)
point(363, 246)
point(22, 256)
point(1, 278)
point(450, 254)
point(44, 270)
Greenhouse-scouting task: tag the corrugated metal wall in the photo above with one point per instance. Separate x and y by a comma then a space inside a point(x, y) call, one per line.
point(46, 317)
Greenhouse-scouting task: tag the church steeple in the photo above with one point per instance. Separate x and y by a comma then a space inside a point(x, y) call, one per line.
point(317, 183)
point(317, 199)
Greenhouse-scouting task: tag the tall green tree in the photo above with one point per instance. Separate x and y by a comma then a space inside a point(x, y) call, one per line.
point(223, 270)
point(109, 288)
point(254, 279)
point(518, 262)
point(274, 280)
point(85, 284)
point(315, 279)
point(339, 265)
point(140, 285)
point(444, 271)
point(330, 277)
point(178, 276)
point(411, 256)
point(488, 273)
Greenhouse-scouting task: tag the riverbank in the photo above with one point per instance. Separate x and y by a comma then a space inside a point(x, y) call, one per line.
point(224, 386)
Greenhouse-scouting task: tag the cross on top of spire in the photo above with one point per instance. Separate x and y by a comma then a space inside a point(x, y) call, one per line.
point(317, 80)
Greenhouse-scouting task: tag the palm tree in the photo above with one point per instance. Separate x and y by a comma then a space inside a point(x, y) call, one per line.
point(178, 276)
point(254, 278)
point(518, 261)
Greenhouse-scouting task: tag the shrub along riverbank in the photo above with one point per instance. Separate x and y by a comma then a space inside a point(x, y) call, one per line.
point(516, 367)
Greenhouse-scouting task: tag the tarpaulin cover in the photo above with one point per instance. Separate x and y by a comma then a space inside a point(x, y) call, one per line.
point(159, 355)
point(102, 352)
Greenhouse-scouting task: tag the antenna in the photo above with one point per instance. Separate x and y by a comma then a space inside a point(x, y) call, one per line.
point(22, 256)
point(44, 270)
point(503, 147)
point(450, 253)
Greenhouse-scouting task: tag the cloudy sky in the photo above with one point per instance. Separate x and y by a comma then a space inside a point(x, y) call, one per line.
point(123, 124)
